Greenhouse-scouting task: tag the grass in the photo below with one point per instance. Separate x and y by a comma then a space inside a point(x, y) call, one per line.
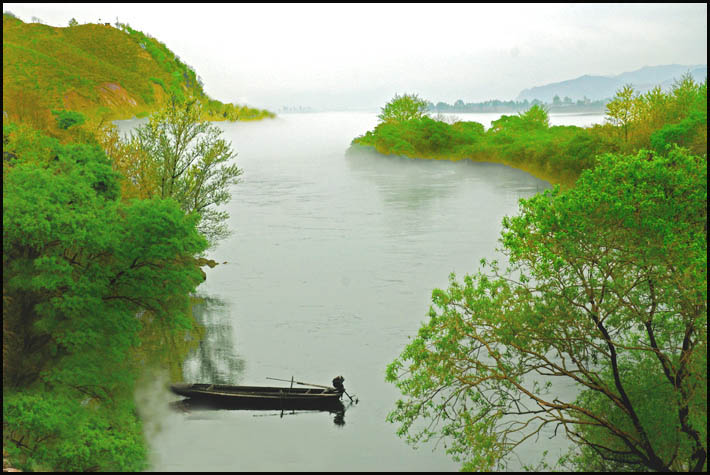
point(105, 72)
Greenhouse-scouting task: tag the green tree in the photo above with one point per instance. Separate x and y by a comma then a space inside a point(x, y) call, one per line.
point(684, 94)
point(191, 162)
point(606, 291)
point(73, 22)
point(78, 264)
point(537, 117)
point(623, 109)
point(403, 108)
point(84, 273)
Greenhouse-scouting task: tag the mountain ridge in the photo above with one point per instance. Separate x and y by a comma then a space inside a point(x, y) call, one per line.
point(597, 87)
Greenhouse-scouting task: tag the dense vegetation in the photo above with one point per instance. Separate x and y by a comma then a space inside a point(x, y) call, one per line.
point(605, 290)
point(179, 155)
point(85, 274)
point(654, 120)
point(102, 71)
point(101, 250)
point(103, 236)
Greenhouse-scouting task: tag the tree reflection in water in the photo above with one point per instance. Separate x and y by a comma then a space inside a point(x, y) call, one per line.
point(216, 360)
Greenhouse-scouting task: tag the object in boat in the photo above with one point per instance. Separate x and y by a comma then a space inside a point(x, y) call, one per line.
point(262, 397)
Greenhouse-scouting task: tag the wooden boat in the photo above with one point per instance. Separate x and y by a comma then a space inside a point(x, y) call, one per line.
point(261, 397)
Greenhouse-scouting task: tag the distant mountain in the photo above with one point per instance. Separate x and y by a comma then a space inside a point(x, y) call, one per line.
point(605, 87)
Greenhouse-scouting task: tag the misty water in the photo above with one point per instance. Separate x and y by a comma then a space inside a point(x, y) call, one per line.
point(329, 271)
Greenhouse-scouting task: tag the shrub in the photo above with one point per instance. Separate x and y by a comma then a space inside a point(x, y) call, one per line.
point(66, 119)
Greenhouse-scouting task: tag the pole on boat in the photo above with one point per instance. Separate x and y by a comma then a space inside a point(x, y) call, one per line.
point(299, 382)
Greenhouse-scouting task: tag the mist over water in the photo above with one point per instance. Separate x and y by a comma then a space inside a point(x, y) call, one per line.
point(329, 271)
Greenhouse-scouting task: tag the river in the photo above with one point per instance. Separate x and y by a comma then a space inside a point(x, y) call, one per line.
point(329, 271)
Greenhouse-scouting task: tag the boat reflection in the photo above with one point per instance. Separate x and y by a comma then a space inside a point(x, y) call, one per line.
point(191, 405)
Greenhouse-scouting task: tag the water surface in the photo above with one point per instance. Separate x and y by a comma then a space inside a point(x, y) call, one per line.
point(329, 271)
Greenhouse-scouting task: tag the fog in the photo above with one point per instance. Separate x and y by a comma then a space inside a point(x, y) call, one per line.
point(355, 56)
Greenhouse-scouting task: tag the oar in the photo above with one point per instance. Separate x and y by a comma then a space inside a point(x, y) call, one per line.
point(348, 395)
point(298, 382)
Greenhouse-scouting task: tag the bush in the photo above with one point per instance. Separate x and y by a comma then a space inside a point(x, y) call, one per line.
point(66, 119)
point(54, 431)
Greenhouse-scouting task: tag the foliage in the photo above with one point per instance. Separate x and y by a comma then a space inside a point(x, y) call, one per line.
point(66, 119)
point(216, 110)
point(685, 117)
point(138, 177)
point(182, 77)
point(656, 120)
point(75, 68)
point(47, 431)
point(92, 68)
point(84, 274)
point(622, 110)
point(190, 162)
point(660, 119)
point(523, 140)
point(183, 82)
point(403, 108)
point(607, 290)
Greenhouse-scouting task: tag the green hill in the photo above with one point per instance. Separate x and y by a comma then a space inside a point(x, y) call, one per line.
point(105, 72)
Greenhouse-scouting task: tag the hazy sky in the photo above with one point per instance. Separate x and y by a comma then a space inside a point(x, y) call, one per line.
point(360, 55)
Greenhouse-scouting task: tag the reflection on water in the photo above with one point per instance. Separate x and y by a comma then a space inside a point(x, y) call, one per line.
point(200, 410)
point(418, 183)
point(215, 360)
point(338, 416)
point(330, 271)
point(403, 182)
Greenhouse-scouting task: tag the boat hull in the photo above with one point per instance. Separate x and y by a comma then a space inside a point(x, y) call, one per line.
point(252, 397)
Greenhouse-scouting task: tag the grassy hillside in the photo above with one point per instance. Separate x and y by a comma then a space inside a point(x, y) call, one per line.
point(105, 72)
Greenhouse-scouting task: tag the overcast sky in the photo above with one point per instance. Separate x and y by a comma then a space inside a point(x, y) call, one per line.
point(359, 56)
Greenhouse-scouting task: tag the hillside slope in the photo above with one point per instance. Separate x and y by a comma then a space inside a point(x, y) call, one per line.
point(101, 70)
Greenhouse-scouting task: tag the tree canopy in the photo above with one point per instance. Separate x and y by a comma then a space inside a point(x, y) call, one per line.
point(403, 108)
point(84, 272)
point(189, 161)
point(605, 290)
